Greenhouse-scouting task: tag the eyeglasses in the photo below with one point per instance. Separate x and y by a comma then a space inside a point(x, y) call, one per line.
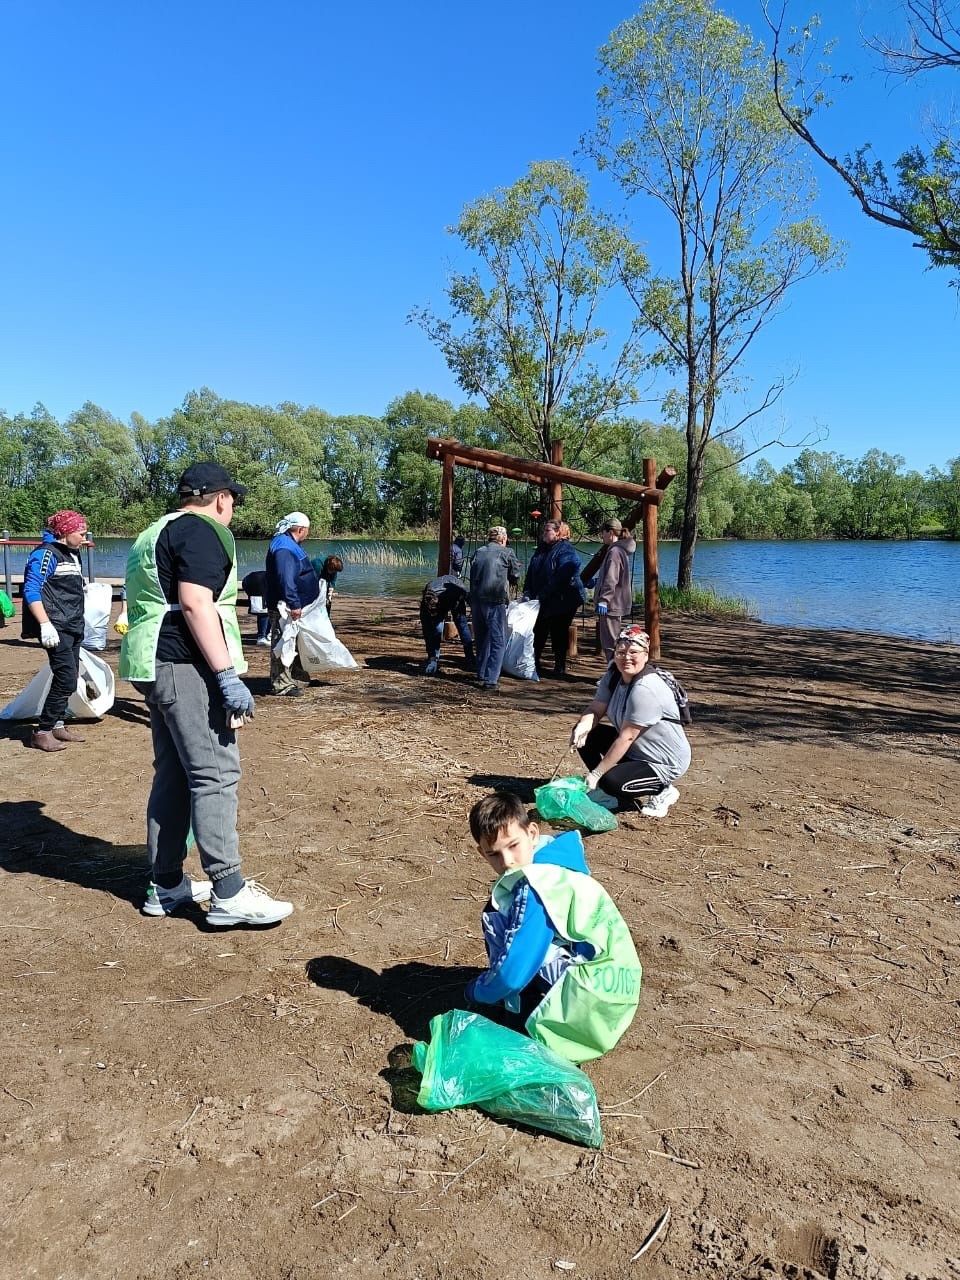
point(624, 646)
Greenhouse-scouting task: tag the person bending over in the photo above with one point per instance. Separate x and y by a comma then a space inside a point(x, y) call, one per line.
point(561, 956)
point(255, 585)
point(639, 755)
point(442, 598)
point(292, 582)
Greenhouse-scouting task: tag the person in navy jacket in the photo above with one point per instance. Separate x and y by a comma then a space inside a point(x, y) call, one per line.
point(53, 614)
point(292, 582)
point(553, 578)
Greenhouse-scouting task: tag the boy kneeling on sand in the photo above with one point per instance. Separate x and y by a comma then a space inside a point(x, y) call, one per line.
point(561, 956)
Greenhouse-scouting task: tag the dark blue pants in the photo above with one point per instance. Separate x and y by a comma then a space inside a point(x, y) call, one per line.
point(490, 628)
point(433, 633)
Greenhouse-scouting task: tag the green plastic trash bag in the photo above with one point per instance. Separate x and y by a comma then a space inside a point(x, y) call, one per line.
point(471, 1061)
point(6, 605)
point(567, 798)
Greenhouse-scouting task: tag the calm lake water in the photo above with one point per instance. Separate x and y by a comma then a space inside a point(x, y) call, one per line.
point(900, 588)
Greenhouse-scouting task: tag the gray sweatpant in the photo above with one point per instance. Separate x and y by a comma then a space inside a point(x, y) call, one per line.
point(609, 626)
point(196, 778)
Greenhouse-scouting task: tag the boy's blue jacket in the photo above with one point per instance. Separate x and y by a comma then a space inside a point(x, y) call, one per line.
point(291, 576)
point(523, 946)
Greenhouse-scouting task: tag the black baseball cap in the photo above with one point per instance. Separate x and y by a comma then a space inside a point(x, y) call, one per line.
point(208, 477)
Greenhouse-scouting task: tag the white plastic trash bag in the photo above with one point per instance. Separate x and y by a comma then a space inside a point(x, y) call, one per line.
point(94, 696)
point(518, 660)
point(97, 602)
point(311, 636)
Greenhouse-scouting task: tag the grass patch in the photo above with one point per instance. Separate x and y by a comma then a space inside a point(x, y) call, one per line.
point(381, 554)
point(702, 600)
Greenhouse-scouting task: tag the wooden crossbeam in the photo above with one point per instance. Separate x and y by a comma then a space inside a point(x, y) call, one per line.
point(511, 468)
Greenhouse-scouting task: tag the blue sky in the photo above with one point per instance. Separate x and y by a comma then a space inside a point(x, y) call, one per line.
point(252, 198)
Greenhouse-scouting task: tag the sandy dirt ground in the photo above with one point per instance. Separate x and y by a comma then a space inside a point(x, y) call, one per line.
point(180, 1102)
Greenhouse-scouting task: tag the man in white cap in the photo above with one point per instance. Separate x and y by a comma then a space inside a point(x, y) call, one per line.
point(292, 581)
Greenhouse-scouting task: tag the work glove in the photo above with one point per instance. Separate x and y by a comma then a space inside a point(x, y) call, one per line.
point(237, 698)
point(592, 779)
point(581, 731)
point(602, 610)
point(49, 635)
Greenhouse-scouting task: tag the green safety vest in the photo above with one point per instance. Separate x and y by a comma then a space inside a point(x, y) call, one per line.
point(147, 606)
point(589, 1009)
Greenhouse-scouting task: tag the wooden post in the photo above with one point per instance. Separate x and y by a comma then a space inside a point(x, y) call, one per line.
point(555, 490)
point(651, 564)
point(446, 515)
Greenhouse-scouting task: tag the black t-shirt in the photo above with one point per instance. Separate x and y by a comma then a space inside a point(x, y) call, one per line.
point(188, 550)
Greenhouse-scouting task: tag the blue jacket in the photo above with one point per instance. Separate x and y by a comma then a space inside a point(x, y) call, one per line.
point(553, 578)
point(291, 576)
point(53, 576)
point(519, 942)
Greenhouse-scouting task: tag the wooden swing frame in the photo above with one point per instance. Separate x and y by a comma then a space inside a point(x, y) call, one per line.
point(644, 498)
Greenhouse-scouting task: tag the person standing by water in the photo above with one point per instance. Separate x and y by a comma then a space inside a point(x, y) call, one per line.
point(255, 585)
point(292, 581)
point(553, 578)
point(328, 570)
point(183, 652)
point(613, 594)
point(493, 570)
point(53, 614)
point(456, 555)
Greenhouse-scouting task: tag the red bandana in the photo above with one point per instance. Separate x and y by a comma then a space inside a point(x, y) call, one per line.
point(63, 522)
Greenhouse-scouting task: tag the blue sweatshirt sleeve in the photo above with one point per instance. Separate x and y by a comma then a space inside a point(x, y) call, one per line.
point(40, 564)
point(285, 568)
point(529, 935)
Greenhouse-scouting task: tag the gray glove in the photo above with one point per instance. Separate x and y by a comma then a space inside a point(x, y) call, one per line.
point(237, 698)
point(49, 635)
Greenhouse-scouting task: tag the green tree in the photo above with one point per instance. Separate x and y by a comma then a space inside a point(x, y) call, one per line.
point(353, 451)
point(525, 333)
point(944, 487)
point(101, 468)
point(922, 197)
point(688, 119)
point(277, 453)
point(32, 453)
point(411, 481)
point(826, 479)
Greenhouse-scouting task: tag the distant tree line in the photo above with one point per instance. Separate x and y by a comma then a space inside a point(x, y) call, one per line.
point(358, 474)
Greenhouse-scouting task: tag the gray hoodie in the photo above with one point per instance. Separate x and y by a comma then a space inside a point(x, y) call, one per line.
point(614, 581)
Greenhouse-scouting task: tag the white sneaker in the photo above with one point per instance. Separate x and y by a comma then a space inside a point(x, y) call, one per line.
point(252, 905)
point(657, 806)
point(264, 643)
point(160, 902)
